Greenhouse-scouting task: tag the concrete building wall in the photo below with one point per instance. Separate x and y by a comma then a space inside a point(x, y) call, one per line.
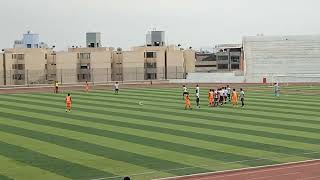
point(282, 58)
point(133, 65)
point(25, 65)
point(116, 66)
point(190, 60)
point(206, 66)
point(66, 67)
point(175, 63)
point(1, 70)
point(101, 66)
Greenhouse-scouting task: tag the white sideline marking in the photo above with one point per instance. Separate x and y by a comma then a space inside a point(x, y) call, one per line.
point(241, 169)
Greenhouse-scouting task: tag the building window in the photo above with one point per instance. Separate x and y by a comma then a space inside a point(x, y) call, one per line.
point(46, 56)
point(222, 66)
point(223, 58)
point(84, 55)
point(150, 54)
point(84, 67)
point(235, 66)
point(28, 45)
point(18, 56)
point(20, 66)
point(18, 76)
point(235, 59)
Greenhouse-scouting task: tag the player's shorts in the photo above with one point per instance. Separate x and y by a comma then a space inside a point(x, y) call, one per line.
point(69, 105)
point(198, 100)
point(241, 99)
point(116, 90)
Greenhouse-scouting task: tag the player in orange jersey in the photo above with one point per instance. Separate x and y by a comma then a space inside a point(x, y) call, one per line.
point(211, 97)
point(187, 102)
point(68, 103)
point(234, 98)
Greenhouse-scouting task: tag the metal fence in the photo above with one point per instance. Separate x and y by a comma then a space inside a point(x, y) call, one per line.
point(94, 75)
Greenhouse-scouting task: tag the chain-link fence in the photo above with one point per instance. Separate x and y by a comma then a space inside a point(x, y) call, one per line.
point(94, 75)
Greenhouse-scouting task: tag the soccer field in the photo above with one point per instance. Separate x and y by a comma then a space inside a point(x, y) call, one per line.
point(109, 136)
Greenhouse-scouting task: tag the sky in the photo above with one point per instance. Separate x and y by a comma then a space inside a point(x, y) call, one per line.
point(123, 23)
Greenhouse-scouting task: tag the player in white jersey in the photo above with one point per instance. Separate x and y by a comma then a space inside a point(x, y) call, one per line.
point(229, 93)
point(241, 97)
point(276, 89)
point(225, 93)
point(185, 91)
point(116, 88)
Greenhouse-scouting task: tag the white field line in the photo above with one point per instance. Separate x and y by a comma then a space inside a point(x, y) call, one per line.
point(250, 168)
point(203, 166)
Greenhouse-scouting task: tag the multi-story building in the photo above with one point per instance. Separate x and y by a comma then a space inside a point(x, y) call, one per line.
point(1, 69)
point(157, 62)
point(84, 64)
point(30, 40)
point(21, 66)
point(229, 57)
point(205, 62)
point(26, 65)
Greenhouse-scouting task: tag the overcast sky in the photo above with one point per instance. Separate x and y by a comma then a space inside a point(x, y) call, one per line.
point(123, 23)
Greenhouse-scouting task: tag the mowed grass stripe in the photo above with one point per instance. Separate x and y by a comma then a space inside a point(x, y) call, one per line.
point(222, 156)
point(221, 129)
point(3, 177)
point(278, 118)
point(92, 161)
point(175, 106)
point(188, 160)
point(177, 93)
point(232, 149)
point(20, 171)
point(247, 144)
point(264, 146)
point(198, 115)
point(54, 165)
point(193, 124)
point(112, 153)
point(177, 98)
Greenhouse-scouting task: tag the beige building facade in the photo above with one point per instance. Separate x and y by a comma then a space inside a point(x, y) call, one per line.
point(1, 70)
point(100, 65)
point(156, 63)
point(86, 64)
point(23, 66)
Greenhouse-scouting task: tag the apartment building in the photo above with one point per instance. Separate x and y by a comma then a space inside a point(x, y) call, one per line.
point(32, 64)
point(1, 70)
point(26, 65)
point(156, 63)
point(84, 64)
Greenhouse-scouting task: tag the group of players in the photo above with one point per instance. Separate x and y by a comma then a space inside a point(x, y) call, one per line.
point(218, 97)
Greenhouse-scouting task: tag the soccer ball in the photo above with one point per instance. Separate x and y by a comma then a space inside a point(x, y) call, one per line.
point(140, 103)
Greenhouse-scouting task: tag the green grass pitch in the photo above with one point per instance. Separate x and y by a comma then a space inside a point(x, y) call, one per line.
point(108, 136)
